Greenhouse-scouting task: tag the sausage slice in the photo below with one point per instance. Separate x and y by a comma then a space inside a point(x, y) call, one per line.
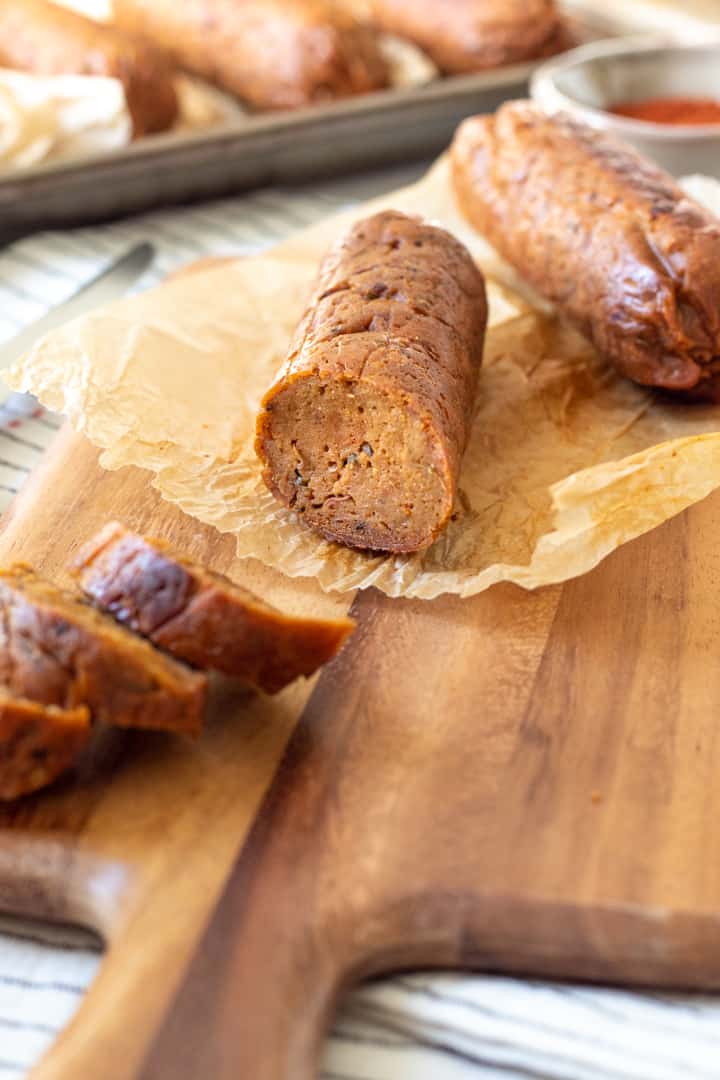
point(201, 617)
point(37, 743)
point(58, 650)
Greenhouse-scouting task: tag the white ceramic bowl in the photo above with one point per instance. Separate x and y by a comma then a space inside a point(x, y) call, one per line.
point(586, 81)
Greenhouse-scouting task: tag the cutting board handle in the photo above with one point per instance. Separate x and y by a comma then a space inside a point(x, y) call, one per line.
point(291, 930)
point(258, 996)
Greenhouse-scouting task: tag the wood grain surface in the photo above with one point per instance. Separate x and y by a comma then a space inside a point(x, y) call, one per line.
point(520, 782)
point(138, 844)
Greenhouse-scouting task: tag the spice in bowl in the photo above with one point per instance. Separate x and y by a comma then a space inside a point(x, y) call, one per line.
point(670, 110)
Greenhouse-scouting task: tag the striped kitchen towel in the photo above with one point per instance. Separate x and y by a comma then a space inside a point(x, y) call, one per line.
point(420, 1027)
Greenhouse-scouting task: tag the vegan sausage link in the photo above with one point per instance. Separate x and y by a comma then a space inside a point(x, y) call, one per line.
point(275, 54)
point(609, 238)
point(363, 432)
point(463, 36)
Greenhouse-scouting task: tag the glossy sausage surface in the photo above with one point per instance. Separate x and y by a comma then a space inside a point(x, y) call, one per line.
point(462, 36)
point(274, 54)
point(605, 235)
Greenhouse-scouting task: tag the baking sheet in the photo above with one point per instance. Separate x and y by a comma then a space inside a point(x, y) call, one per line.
point(385, 128)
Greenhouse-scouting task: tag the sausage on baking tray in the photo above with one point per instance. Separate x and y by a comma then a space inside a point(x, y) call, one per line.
point(37, 743)
point(201, 617)
point(44, 38)
point(463, 36)
point(275, 54)
point(612, 240)
point(363, 432)
point(57, 650)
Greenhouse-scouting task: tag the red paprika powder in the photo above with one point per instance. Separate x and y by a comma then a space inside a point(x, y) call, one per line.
point(671, 110)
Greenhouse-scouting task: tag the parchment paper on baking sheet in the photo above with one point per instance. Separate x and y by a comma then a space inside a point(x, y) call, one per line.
point(566, 461)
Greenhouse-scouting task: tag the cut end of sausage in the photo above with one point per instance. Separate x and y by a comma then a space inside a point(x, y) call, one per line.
point(37, 743)
point(57, 650)
point(355, 463)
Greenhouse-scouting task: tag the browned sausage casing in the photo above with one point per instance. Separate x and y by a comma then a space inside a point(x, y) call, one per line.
point(608, 237)
point(37, 743)
point(275, 54)
point(41, 37)
point(363, 432)
point(473, 35)
point(201, 617)
point(57, 650)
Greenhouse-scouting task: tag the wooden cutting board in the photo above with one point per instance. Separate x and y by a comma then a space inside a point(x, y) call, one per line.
point(521, 782)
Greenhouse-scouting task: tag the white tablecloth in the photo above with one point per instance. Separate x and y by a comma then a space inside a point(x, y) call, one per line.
point(410, 1028)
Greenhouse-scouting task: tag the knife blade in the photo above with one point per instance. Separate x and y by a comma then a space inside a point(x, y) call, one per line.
point(109, 284)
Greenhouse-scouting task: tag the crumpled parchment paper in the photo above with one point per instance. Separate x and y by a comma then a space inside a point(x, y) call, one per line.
point(69, 117)
point(566, 460)
point(50, 118)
